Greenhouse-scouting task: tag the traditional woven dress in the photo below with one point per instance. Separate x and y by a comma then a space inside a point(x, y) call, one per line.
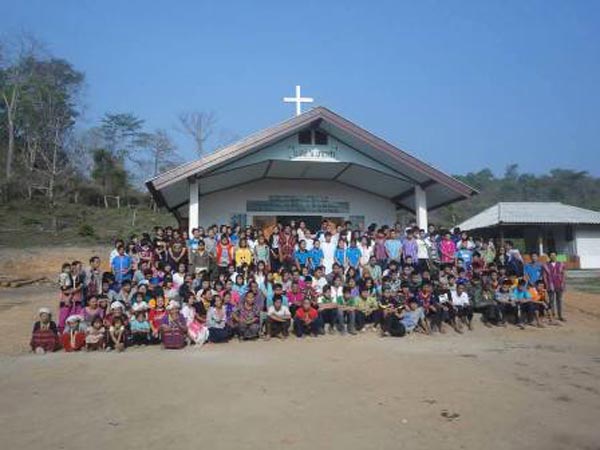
point(45, 336)
point(174, 331)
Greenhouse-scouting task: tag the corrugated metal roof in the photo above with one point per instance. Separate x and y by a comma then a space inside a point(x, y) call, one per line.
point(531, 213)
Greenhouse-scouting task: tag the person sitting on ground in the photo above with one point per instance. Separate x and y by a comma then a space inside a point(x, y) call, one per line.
point(306, 321)
point(366, 309)
point(523, 303)
point(346, 312)
point(413, 318)
point(73, 337)
point(95, 335)
point(278, 321)
point(247, 318)
point(139, 325)
point(173, 328)
point(217, 321)
point(44, 337)
point(462, 309)
point(327, 308)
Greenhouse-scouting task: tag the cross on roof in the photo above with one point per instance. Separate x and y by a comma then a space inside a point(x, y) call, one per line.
point(298, 100)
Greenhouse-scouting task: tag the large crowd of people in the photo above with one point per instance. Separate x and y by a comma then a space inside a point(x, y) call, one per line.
point(173, 289)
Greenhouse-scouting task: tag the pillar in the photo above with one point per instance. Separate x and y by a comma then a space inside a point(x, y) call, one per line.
point(540, 242)
point(194, 212)
point(421, 207)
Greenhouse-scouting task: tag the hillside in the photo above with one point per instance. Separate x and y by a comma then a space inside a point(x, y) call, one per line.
point(34, 224)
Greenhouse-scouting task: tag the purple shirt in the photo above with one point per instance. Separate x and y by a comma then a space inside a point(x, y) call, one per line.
point(410, 248)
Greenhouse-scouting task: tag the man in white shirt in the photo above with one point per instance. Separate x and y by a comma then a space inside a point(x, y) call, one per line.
point(318, 281)
point(328, 246)
point(462, 309)
point(279, 316)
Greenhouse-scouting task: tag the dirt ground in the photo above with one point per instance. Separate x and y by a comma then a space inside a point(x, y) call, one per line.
point(491, 388)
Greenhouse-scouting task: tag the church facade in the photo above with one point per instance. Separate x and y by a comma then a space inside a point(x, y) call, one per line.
point(317, 165)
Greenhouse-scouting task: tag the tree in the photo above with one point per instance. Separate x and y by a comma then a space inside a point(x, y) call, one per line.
point(123, 134)
point(162, 151)
point(199, 126)
point(108, 172)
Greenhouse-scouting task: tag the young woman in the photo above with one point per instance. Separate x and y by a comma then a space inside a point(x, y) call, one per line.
point(217, 321)
point(247, 318)
point(194, 312)
point(44, 337)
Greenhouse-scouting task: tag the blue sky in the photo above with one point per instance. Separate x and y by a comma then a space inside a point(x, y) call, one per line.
point(461, 84)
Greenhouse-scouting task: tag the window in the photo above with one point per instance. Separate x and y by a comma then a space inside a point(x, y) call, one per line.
point(320, 138)
point(310, 137)
point(305, 137)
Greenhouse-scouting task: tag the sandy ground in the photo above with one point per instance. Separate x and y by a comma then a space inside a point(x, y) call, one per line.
point(491, 388)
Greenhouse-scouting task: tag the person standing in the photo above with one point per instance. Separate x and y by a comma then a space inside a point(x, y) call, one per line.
point(554, 277)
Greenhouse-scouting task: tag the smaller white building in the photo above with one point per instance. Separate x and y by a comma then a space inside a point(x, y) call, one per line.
point(573, 232)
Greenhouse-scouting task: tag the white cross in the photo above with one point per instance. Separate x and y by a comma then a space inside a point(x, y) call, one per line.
point(298, 100)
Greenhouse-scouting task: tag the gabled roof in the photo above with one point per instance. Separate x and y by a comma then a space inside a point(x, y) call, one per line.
point(397, 185)
point(522, 213)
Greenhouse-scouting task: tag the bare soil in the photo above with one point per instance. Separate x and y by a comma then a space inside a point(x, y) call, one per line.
point(490, 388)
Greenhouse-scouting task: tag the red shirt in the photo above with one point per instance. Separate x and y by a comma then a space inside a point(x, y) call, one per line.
point(312, 314)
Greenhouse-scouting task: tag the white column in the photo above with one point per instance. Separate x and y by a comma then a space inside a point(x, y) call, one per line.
point(421, 207)
point(194, 212)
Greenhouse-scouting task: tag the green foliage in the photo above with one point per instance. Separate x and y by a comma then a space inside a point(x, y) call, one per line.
point(86, 230)
point(577, 188)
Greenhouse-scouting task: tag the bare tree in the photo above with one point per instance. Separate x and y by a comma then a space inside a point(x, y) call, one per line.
point(14, 72)
point(162, 151)
point(199, 126)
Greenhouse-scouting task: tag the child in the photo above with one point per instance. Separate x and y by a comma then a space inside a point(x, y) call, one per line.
point(116, 334)
point(73, 338)
point(139, 325)
point(65, 281)
point(44, 337)
point(95, 335)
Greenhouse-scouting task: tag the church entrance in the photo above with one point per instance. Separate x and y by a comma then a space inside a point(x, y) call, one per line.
point(313, 223)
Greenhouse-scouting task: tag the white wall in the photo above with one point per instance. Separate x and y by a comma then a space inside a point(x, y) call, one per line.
point(219, 207)
point(588, 246)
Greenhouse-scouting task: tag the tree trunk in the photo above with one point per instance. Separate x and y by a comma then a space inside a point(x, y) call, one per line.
point(10, 110)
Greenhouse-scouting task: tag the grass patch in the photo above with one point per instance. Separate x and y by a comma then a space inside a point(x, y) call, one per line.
point(32, 224)
point(585, 284)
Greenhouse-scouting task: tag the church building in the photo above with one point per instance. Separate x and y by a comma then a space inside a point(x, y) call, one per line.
point(317, 165)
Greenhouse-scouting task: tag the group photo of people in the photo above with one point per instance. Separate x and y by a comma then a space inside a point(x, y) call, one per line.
point(173, 290)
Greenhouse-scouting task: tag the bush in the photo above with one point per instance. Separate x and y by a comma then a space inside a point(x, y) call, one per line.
point(86, 230)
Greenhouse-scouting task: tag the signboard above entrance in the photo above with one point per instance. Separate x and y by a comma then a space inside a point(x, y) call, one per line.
point(310, 153)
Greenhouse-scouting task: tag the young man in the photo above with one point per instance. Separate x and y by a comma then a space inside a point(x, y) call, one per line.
point(346, 312)
point(413, 318)
point(279, 316)
point(462, 309)
point(366, 307)
point(122, 266)
point(306, 321)
point(532, 272)
point(523, 302)
point(554, 279)
point(328, 309)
